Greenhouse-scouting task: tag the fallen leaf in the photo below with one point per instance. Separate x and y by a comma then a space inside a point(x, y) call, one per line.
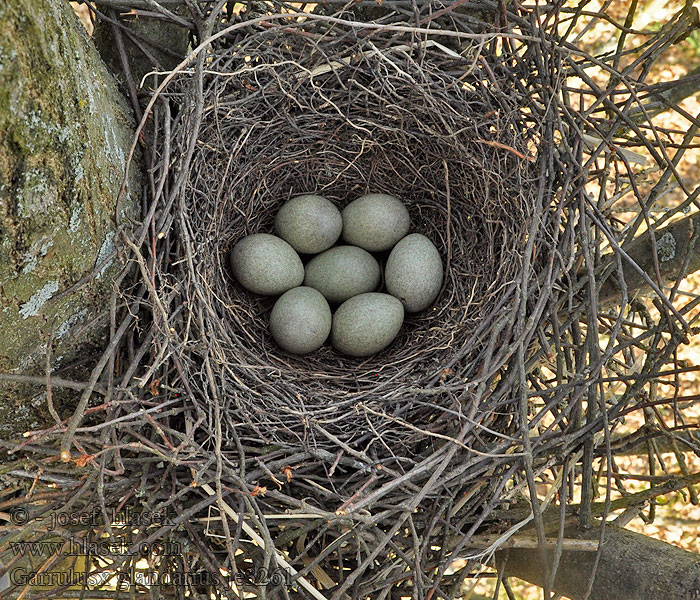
point(153, 387)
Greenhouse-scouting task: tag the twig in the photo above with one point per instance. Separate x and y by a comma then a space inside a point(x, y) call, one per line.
point(260, 542)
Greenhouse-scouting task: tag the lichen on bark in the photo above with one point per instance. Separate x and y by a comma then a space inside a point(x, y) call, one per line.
point(65, 131)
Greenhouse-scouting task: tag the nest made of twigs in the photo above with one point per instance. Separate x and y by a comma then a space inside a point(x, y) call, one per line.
point(287, 113)
point(451, 131)
point(368, 475)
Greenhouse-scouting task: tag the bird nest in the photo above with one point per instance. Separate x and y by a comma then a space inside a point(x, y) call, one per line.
point(316, 105)
point(285, 114)
point(350, 477)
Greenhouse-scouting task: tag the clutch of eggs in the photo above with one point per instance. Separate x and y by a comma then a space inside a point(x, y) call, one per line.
point(346, 277)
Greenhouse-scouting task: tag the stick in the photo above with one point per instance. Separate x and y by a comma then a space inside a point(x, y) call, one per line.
point(260, 542)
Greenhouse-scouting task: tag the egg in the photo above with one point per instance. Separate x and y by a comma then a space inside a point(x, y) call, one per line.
point(266, 264)
point(375, 222)
point(366, 324)
point(309, 223)
point(343, 272)
point(413, 272)
point(300, 320)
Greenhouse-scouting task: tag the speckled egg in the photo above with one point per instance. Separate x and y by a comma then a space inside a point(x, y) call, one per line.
point(300, 320)
point(366, 324)
point(375, 222)
point(266, 264)
point(309, 223)
point(343, 272)
point(413, 272)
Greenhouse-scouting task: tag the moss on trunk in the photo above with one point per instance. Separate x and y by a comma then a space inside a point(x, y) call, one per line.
point(64, 134)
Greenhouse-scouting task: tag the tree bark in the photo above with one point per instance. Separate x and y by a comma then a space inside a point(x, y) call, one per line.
point(65, 131)
point(673, 243)
point(632, 566)
point(166, 43)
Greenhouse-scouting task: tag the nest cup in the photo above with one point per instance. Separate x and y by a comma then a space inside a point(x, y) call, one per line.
point(280, 121)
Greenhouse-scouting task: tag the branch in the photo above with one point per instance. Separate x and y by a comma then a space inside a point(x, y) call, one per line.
point(664, 441)
point(673, 243)
point(632, 566)
point(669, 97)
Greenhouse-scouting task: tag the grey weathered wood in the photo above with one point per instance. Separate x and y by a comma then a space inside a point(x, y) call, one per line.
point(673, 244)
point(632, 566)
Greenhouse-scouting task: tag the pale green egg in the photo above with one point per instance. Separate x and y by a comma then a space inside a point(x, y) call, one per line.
point(413, 272)
point(375, 222)
point(309, 223)
point(266, 264)
point(366, 324)
point(343, 272)
point(300, 320)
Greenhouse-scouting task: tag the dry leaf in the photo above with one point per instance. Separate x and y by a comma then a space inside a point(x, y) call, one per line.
point(258, 491)
point(83, 460)
point(153, 387)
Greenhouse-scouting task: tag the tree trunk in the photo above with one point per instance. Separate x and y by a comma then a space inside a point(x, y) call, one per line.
point(65, 131)
point(632, 566)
